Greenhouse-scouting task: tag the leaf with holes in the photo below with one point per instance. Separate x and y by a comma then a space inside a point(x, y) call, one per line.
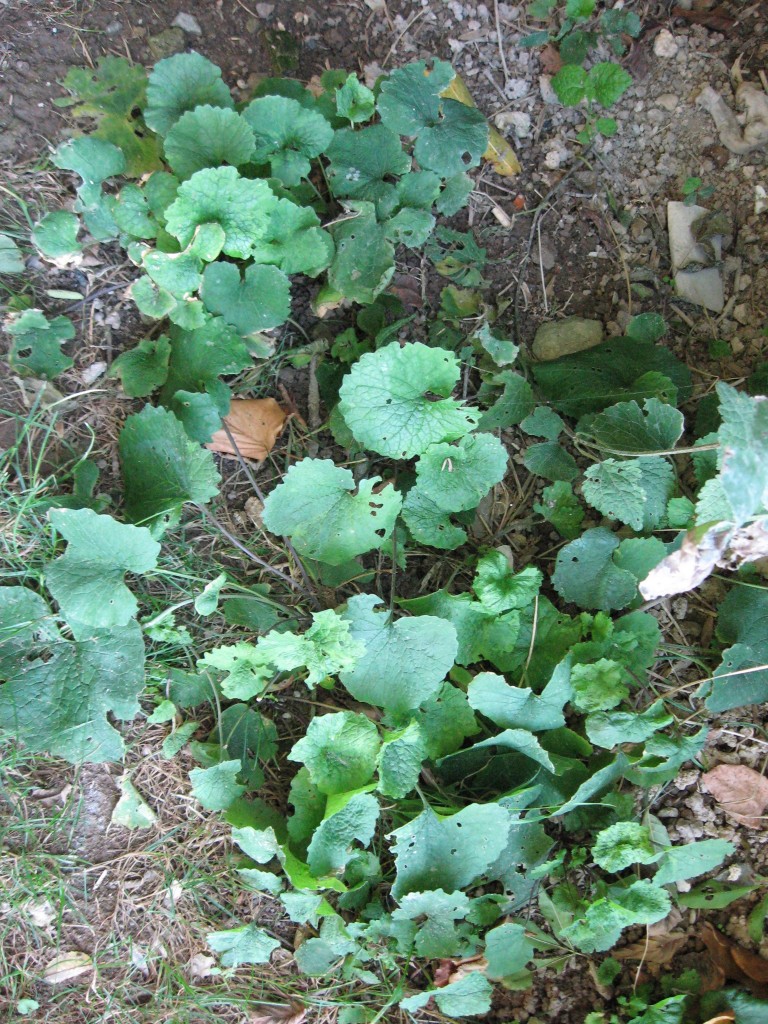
point(315, 506)
point(36, 344)
point(626, 429)
point(405, 661)
point(410, 98)
point(363, 163)
point(585, 572)
point(437, 913)
point(365, 259)
point(385, 400)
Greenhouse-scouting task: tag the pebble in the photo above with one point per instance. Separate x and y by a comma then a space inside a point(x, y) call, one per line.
point(742, 314)
point(518, 120)
point(114, 28)
point(665, 45)
point(187, 23)
point(668, 100)
point(548, 94)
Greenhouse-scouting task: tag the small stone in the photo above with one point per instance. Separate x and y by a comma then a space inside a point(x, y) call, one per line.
point(264, 10)
point(741, 313)
point(518, 120)
point(737, 347)
point(665, 45)
point(702, 287)
point(166, 44)
point(668, 100)
point(552, 159)
point(562, 337)
point(187, 23)
point(114, 28)
point(548, 94)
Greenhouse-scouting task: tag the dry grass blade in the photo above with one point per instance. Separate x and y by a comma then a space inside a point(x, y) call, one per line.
point(741, 792)
point(254, 425)
point(292, 1013)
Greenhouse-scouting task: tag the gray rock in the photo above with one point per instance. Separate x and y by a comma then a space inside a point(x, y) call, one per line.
point(702, 287)
point(166, 43)
point(562, 337)
point(187, 23)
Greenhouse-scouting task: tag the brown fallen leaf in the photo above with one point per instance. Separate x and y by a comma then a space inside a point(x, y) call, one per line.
point(255, 425)
point(741, 792)
point(735, 962)
point(716, 20)
point(722, 1018)
point(550, 59)
point(292, 1013)
point(659, 949)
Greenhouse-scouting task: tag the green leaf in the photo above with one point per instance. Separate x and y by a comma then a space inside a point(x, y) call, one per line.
point(597, 784)
point(454, 195)
point(248, 736)
point(543, 422)
point(384, 400)
point(215, 787)
point(287, 136)
point(586, 574)
point(623, 844)
point(409, 227)
point(550, 460)
point(452, 852)
point(626, 429)
point(502, 351)
point(294, 241)
point(114, 87)
point(362, 162)
point(87, 580)
point(248, 671)
point(570, 84)
point(315, 506)
point(399, 762)
point(455, 143)
point(60, 703)
point(429, 524)
point(133, 214)
point(218, 195)
point(364, 262)
point(152, 301)
point(560, 507)
point(616, 370)
point(258, 302)
point(245, 945)
point(410, 98)
point(517, 707)
point(598, 686)
point(681, 862)
point(198, 358)
point(325, 648)
point(56, 235)
point(174, 272)
point(36, 344)
point(647, 902)
point(437, 913)
point(162, 468)
point(405, 661)
point(93, 159)
point(331, 846)
point(606, 83)
point(647, 327)
point(339, 751)
point(355, 101)
point(11, 261)
point(514, 404)
point(610, 729)
point(143, 368)
point(633, 492)
point(457, 476)
point(579, 9)
point(467, 997)
point(743, 435)
point(507, 950)
point(499, 589)
point(132, 810)
point(181, 83)
point(26, 626)
point(208, 137)
point(482, 634)
point(741, 678)
point(446, 721)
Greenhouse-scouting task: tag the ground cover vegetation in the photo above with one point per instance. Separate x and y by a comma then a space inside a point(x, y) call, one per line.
point(481, 749)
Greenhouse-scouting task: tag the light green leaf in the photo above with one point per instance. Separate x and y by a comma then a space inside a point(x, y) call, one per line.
point(429, 524)
point(248, 671)
point(143, 368)
point(261, 881)
point(502, 351)
point(331, 847)
point(115, 86)
point(242, 206)
point(452, 852)
point(499, 589)
point(257, 302)
point(363, 162)
point(610, 729)
point(315, 506)
point(678, 863)
point(287, 135)
point(152, 301)
point(326, 648)
point(215, 787)
point(743, 435)
point(36, 343)
point(60, 703)
point(261, 845)
point(87, 580)
point(606, 82)
point(507, 950)
point(467, 997)
point(207, 601)
point(410, 98)
point(550, 460)
point(517, 707)
point(339, 751)
point(623, 844)
point(56, 235)
point(437, 913)
point(400, 760)
point(405, 661)
point(245, 945)
point(646, 902)
point(355, 101)
point(514, 404)
point(294, 241)
point(586, 575)
point(570, 84)
point(26, 626)
point(11, 261)
point(741, 678)
point(384, 400)
point(93, 159)
point(482, 634)
point(181, 83)
point(455, 143)
point(409, 227)
point(208, 137)
point(599, 686)
point(560, 507)
point(162, 468)
point(132, 810)
point(364, 262)
point(457, 476)
point(627, 429)
point(446, 721)
point(543, 422)
point(133, 215)
point(174, 272)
